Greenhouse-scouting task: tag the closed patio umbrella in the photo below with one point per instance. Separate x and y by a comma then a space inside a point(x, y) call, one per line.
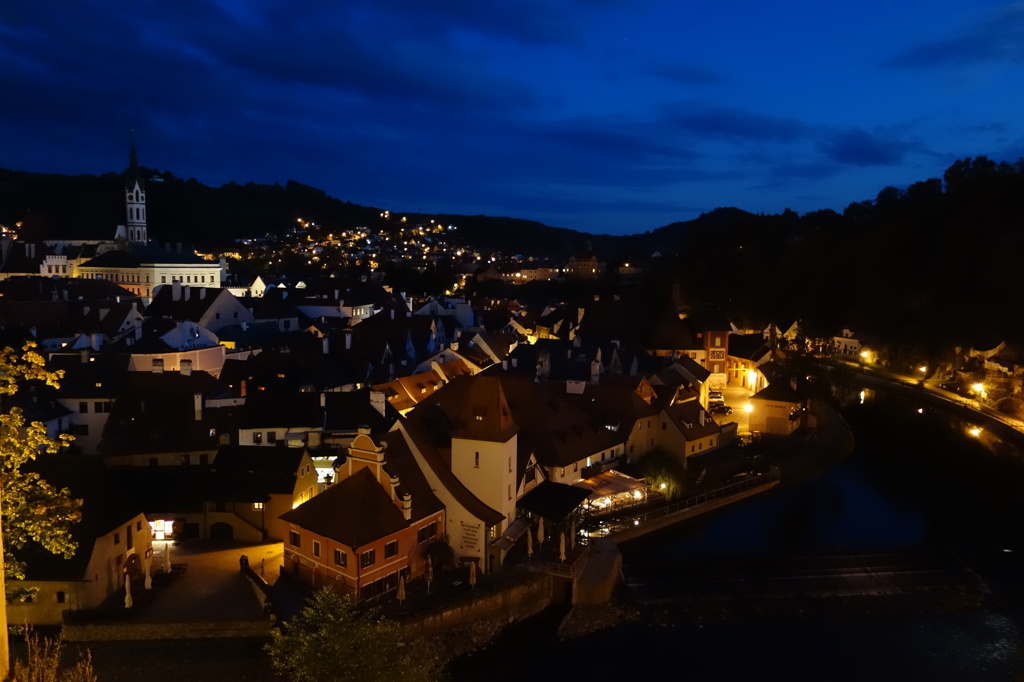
point(529, 543)
point(127, 591)
point(561, 546)
point(430, 573)
point(472, 574)
point(401, 588)
point(540, 530)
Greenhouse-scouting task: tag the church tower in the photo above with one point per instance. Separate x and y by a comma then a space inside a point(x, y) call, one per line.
point(135, 199)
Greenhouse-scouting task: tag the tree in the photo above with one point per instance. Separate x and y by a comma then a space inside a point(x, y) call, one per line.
point(30, 508)
point(333, 638)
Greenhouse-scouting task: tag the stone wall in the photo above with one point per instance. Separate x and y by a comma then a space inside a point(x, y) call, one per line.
point(507, 604)
point(129, 631)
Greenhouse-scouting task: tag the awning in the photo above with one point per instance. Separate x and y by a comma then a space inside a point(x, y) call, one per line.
point(610, 483)
point(515, 530)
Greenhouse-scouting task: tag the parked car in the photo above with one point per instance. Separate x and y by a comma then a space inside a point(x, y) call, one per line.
point(716, 397)
point(721, 408)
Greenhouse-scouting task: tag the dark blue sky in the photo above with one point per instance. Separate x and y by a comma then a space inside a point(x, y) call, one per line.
point(599, 115)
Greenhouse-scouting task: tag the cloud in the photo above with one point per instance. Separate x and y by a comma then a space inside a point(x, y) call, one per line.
point(858, 147)
point(998, 38)
point(735, 125)
point(686, 74)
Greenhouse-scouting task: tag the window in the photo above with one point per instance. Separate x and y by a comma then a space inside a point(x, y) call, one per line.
point(510, 465)
point(294, 539)
point(163, 279)
point(117, 538)
point(340, 558)
point(81, 429)
point(153, 462)
point(391, 549)
point(138, 525)
point(257, 437)
point(186, 460)
point(316, 548)
point(368, 558)
point(476, 460)
point(510, 491)
point(575, 467)
point(271, 436)
point(204, 458)
point(61, 598)
point(257, 506)
point(83, 407)
point(426, 532)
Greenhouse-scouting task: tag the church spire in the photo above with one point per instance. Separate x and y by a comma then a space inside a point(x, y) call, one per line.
point(135, 201)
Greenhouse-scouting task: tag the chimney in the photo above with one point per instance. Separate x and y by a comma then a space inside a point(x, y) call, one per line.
point(202, 293)
point(407, 506)
point(392, 313)
point(176, 291)
point(326, 345)
point(185, 368)
point(138, 330)
point(197, 402)
point(187, 291)
point(792, 383)
point(348, 340)
point(515, 362)
point(323, 399)
point(85, 356)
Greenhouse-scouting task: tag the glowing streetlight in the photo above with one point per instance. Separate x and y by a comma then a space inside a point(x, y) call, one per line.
point(748, 407)
point(975, 431)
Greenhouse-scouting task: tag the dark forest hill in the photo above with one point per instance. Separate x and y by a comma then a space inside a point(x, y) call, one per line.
point(91, 207)
point(932, 262)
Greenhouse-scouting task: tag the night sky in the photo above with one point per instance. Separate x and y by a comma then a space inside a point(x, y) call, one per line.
point(598, 115)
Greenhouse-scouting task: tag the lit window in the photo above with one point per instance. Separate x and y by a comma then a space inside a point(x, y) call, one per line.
point(258, 506)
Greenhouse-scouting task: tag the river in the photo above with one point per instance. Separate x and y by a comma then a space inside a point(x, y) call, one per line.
point(917, 480)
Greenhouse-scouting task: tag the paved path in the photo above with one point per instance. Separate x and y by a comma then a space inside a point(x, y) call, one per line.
point(211, 588)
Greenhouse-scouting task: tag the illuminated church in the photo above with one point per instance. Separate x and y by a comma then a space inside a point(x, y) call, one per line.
point(130, 260)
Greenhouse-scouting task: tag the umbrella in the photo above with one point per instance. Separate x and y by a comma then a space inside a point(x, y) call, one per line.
point(430, 573)
point(572, 535)
point(472, 574)
point(149, 579)
point(561, 546)
point(167, 558)
point(127, 591)
point(529, 543)
point(540, 530)
point(401, 587)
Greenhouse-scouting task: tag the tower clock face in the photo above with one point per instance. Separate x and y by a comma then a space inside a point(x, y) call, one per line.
point(718, 355)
